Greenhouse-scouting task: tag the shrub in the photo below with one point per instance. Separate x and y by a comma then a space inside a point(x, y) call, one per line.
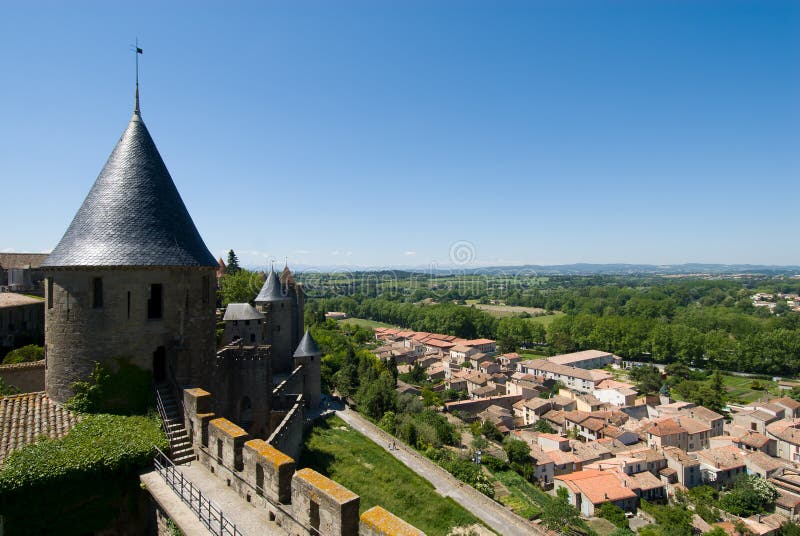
point(128, 391)
point(24, 354)
point(613, 513)
point(78, 483)
point(494, 463)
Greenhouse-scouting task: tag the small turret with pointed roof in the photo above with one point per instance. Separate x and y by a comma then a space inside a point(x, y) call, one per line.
point(272, 290)
point(308, 355)
point(308, 347)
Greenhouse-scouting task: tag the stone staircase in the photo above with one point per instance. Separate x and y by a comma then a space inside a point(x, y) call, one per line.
point(180, 446)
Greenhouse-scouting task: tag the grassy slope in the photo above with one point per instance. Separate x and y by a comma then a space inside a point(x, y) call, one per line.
point(353, 460)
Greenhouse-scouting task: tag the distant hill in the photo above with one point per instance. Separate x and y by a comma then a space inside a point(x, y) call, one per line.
point(577, 269)
point(633, 269)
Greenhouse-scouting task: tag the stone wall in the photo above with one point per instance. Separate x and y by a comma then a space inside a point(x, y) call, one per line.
point(242, 383)
point(380, 522)
point(77, 334)
point(26, 377)
point(22, 324)
point(302, 502)
point(288, 435)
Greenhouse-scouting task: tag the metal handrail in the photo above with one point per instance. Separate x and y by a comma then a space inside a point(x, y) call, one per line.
point(207, 512)
point(163, 414)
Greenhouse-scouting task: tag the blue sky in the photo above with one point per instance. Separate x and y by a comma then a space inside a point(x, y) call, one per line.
point(383, 133)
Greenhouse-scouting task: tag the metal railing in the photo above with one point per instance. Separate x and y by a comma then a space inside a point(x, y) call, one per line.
point(208, 514)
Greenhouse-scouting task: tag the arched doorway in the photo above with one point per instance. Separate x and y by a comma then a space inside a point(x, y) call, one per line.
point(160, 365)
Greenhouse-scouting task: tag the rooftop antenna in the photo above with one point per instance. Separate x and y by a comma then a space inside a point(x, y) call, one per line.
point(137, 51)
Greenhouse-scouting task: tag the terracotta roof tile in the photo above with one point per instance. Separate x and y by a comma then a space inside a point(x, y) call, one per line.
point(26, 417)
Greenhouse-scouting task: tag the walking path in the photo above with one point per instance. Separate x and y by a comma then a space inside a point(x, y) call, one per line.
point(500, 519)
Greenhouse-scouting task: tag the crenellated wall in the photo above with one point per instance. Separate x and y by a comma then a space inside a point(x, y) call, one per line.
point(288, 434)
point(264, 475)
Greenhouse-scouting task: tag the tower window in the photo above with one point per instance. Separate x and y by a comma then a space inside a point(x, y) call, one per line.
point(49, 292)
point(205, 289)
point(129, 305)
point(97, 293)
point(155, 301)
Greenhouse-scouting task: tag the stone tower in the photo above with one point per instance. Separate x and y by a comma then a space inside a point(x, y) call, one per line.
point(295, 291)
point(308, 354)
point(131, 277)
point(276, 304)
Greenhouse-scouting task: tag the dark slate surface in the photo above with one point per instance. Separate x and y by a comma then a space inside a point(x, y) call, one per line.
point(133, 215)
point(307, 347)
point(272, 290)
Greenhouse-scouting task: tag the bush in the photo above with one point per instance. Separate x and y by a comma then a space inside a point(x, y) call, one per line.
point(128, 391)
point(494, 463)
point(81, 482)
point(24, 354)
point(613, 513)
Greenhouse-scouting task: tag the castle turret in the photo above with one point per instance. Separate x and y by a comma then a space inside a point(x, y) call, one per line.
point(309, 355)
point(131, 277)
point(276, 305)
point(295, 291)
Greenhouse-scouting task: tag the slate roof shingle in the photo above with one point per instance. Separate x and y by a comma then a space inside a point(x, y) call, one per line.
point(133, 215)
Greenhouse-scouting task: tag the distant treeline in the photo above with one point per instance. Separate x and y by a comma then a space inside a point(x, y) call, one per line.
point(700, 322)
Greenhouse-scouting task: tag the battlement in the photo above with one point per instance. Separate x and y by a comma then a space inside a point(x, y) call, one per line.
point(377, 521)
point(265, 476)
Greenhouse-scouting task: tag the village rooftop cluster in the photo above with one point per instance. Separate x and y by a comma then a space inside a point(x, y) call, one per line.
point(609, 444)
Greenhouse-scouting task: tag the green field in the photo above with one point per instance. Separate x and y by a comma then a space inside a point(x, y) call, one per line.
point(339, 452)
point(545, 320)
point(527, 355)
point(364, 323)
point(739, 388)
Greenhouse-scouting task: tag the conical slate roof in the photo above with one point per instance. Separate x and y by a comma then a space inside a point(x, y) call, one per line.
point(133, 215)
point(272, 290)
point(307, 347)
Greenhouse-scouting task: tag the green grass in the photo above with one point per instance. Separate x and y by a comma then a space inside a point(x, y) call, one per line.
point(545, 320)
point(529, 354)
point(364, 323)
point(739, 388)
point(351, 459)
point(601, 526)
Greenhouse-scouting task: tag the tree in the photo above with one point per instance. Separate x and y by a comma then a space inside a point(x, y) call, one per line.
point(375, 398)
point(612, 513)
point(647, 379)
point(542, 426)
point(391, 366)
point(750, 495)
point(491, 431)
point(241, 286)
point(559, 515)
point(517, 451)
point(233, 263)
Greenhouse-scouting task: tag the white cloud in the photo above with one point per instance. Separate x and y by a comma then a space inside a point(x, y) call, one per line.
point(409, 253)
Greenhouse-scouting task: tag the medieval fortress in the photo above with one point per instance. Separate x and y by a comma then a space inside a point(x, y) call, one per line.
point(132, 278)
